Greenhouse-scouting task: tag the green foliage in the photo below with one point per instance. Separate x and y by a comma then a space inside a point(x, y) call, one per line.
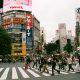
point(68, 47)
point(5, 42)
point(50, 48)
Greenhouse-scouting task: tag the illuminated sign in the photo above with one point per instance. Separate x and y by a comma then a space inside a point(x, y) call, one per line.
point(29, 24)
point(29, 30)
point(18, 20)
point(25, 5)
point(29, 20)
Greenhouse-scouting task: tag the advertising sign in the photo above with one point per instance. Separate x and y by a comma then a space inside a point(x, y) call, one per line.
point(23, 43)
point(25, 5)
point(29, 20)
point(29, 30)
point(29, 42)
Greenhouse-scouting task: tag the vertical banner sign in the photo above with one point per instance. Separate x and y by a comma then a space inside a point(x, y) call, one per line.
point(29, 31)
point(24, 43)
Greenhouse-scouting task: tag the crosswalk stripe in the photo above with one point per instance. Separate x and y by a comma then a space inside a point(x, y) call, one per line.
point(23, 73)
point(64, 73)
point(54, 73)
point(14, 73)
point(45, 74)
point(33, 73)
point(73, 72)
point(35, 69)
point(5, 74)
point(1, 69)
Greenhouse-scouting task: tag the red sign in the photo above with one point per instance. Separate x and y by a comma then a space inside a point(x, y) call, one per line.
point(29, 20)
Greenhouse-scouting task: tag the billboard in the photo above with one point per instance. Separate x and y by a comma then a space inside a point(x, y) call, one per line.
point(29, 31)
point(25, 5)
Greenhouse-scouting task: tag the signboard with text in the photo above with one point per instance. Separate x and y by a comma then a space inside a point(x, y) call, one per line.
point(25, 5)
point(29, 31)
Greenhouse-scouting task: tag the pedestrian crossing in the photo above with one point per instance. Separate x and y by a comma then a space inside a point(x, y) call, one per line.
point(15, 73)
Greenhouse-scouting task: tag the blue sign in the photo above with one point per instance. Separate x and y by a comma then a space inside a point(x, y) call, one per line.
point(29, 38)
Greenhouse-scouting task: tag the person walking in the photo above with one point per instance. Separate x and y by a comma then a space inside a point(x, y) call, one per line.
point(54, 66)
point(41, 64)
point(64, 63)
point(27, 62)
point(45, 65)
point(77, 64)
point(35, 61)
point(70, 61)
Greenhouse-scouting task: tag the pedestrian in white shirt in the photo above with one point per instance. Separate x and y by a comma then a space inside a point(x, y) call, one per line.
point(69, 61)
point(77, 64)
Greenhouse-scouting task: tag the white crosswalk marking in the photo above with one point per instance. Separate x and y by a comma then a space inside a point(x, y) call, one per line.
point(23, 73)
point(1, 69)
point(33, 73)
point(4, 76)
point(73, 72)
point(45, 74)
point(54, 73)
point(14, 73)
point(35, 70)
point(63, 72)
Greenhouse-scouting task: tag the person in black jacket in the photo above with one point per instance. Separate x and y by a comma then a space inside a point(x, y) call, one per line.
point(41, 64)
point(54, 66)
point(28, 61)
point(45, 65)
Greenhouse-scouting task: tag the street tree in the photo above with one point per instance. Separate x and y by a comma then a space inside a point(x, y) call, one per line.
point(5, 42)
point(68, 48)
point(50, 48)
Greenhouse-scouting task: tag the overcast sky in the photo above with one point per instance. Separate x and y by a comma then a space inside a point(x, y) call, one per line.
point(52, 12)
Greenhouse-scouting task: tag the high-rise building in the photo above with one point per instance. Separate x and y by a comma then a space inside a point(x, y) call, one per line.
point(42, 38)
point(62, 36)
point(77, 27)
point(36, 35)
point(17, 20)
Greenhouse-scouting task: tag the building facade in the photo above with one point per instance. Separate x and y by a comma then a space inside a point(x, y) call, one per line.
point(36, 35)
point(66, 35)
point(62, 36)
point(17, 20)
point(42, 38)
point(77, 30)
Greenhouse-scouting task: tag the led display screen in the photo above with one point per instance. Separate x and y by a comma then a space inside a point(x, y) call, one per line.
point(25, 5)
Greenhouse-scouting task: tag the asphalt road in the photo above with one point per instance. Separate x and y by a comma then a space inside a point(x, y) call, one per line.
point(16, 72)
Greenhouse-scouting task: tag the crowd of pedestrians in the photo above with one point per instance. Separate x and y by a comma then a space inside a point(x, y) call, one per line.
point(42, 63)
